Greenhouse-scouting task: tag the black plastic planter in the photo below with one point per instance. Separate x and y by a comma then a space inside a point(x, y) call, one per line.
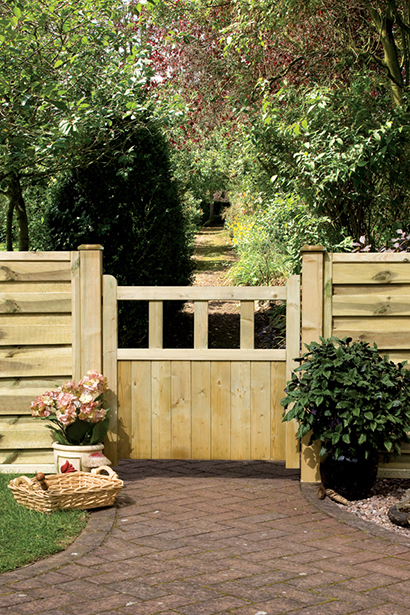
point(351, 477)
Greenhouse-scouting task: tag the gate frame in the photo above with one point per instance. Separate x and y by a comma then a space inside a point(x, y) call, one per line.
point(155, 295)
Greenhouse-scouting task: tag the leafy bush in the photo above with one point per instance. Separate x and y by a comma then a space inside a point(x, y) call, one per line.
point(269, 238)
point(345, 152)
point(129, 205)
point(350, 398)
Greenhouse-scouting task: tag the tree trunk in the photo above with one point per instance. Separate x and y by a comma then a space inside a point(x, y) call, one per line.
point(17, 204)
point(384, 27)
point(9, 226)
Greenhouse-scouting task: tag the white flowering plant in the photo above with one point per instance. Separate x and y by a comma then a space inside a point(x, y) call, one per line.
point(76, 411)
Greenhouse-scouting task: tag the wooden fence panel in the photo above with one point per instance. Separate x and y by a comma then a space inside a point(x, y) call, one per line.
point(40, 346)
point(367, 297)
point(35, 351)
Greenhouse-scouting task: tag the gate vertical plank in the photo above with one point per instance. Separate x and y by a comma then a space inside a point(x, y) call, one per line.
point(240, 410)
point(155, 324)
point(260, 410)
point(247, 324)
point(200, 324)
point(181, 410)
point(161, 413)
point(141, 447)
point(278, 384)
point(201, 410)
point(110, 343)
point(292, 352)
point(221, 409)
point(124, 410)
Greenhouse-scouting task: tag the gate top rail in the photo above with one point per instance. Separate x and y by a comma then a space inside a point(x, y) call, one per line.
point(201, 293)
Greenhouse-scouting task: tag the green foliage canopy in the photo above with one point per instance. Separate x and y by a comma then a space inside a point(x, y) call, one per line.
point(65, 69)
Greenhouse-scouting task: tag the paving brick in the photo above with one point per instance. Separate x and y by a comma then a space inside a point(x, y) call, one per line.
point(47, 604)
point(386, 609)
point(313, 581)
point(303, 597)
point(356, 599)
point(333, 608)
point(370, 581)
point(387, 594)
point(212, 607)
point(388, 565)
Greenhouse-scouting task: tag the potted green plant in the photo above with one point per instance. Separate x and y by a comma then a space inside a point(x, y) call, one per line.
point(357, 403)
point(78, 420)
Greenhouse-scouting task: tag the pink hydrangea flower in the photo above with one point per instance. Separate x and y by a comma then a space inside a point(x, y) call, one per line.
point(73, 402)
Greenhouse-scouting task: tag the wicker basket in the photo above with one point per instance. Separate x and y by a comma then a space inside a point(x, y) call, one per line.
point(73, 490)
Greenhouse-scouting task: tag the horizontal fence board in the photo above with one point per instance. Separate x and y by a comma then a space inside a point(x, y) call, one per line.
point(32, 303)
point(27, 456)
point(16, 394)
point(35, 256)
point(35, 271)
point(202, 293)
point(398, 356)
point(387, 333)
point(389, 472)
point(371, 273)
point(372, 289)
point(23, 433)
point(371, 305)
point(26, 468)
point(35, 287)
point(191, 354)
point(371, 257)
point(35, 361)
point(36, 330)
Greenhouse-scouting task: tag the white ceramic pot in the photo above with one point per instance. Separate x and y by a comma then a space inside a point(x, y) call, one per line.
point(73, 454)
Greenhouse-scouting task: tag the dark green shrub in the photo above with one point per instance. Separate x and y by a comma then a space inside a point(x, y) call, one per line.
point(350, 398)
point(130, 205)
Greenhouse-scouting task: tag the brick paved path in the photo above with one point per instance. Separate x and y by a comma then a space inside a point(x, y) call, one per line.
point(201, 538)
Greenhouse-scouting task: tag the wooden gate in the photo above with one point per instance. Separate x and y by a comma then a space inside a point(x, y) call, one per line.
point(200, 403)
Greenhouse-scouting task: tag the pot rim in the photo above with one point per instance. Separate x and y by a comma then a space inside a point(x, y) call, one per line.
point(77, 447)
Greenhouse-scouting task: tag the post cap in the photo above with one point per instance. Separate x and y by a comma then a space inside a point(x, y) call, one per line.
point(87, 246)
point(313, 249)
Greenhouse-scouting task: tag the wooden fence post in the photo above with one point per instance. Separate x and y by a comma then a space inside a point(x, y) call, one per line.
point(292, 352)
point(88, 310)
point(312, 329)
point(110, 345)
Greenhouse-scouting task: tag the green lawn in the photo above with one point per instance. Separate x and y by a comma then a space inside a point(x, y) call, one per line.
point(27, 535)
